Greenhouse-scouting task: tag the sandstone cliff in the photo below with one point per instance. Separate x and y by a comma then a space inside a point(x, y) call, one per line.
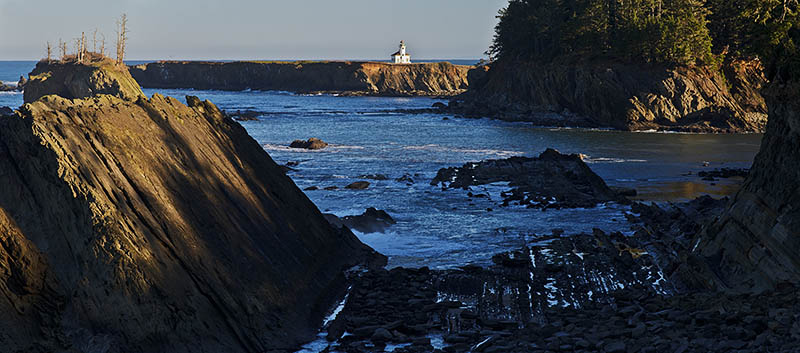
point(371, 78)
point(145, 225)
point(620, 96)
point(754, 245)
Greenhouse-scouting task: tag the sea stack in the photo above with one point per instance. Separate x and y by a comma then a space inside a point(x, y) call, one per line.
point(130, 224)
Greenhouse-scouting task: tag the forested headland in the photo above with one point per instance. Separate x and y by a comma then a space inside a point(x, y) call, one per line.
point(677, 32)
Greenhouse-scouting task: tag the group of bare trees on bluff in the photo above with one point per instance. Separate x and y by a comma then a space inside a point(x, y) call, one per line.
point(82, 54)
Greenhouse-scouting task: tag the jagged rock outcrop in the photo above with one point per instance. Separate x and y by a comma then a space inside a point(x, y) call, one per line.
point(70, 81)
point(754, 244)
point(621, 96)
point(349, 77)
point(146, 225)
point(552, 180)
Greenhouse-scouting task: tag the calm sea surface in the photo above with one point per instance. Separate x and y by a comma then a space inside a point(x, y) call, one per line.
point(445, 228)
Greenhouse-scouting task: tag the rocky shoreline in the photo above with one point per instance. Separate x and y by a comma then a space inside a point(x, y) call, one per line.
point(584, 293)
point(348, 78)
point(623, 96)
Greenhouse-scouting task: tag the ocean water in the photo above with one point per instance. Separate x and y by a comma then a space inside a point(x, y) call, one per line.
point(445, 229)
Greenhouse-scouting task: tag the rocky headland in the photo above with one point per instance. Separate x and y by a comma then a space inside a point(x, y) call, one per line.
point(134, 224)
point(342, 77)
point(624, 96)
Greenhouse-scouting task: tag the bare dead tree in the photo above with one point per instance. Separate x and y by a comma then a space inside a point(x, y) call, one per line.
point(49, 52)
point(102, 44)
point(82, 50)
point(122, 37)
point(77, 48)
point(63, 47)
point(94, 41)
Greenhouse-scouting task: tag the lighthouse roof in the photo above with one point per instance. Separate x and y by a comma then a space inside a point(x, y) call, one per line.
point(398, 53)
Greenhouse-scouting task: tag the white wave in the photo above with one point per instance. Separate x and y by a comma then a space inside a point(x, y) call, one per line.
point(330, 148)
point(590, 159)
point(10, 93)
point(439, 148)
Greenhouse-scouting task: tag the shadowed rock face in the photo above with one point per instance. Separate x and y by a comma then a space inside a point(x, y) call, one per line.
point(754, 245)
point(620, 96)
point(371, 78)
point(147, 225)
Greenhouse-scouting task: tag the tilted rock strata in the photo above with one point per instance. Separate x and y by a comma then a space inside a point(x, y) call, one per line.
point(371, 78)
point(621, 96)
point(150, 225)
point(753, 246)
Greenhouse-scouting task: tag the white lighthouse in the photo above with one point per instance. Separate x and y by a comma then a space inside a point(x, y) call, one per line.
point(401, 57)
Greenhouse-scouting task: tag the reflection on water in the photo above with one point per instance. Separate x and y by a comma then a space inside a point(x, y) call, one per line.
point(687, 190)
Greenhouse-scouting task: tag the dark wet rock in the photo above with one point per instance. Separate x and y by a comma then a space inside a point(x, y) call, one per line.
point(358, 185)
point(624, 191)
point(439, 105)
point(371, 221)
point(311, 188)
point(406, 178)
point(329, 188)
point(552, 180)
point(7, 88)
point(373, 177)
point(724, 173)
point(246, 115)
point(310, 144)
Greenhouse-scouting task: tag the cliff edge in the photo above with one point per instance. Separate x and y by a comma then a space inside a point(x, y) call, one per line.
point(130, 224)
point(348, 77)
point(753, 245)
point(620, 96)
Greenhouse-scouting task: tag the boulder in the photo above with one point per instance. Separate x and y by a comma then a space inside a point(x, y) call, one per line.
point(358, 185)
point(310, 144)
point(371, 221)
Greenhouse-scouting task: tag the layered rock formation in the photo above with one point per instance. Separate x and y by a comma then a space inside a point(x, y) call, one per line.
point(372, 78)
point(621, 96)
point(753, 245)
point(145, 225)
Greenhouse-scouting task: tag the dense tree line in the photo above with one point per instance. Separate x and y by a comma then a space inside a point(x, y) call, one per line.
point(683, 32)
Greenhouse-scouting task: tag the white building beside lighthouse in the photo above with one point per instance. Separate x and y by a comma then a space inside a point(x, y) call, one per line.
point(401, 57)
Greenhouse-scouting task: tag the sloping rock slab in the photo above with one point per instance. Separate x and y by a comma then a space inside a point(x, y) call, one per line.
point(151, 226)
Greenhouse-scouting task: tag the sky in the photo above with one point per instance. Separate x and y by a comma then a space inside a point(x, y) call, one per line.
point(251, 29)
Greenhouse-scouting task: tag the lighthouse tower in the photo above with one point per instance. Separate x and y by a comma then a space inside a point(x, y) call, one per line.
point(401, 57)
